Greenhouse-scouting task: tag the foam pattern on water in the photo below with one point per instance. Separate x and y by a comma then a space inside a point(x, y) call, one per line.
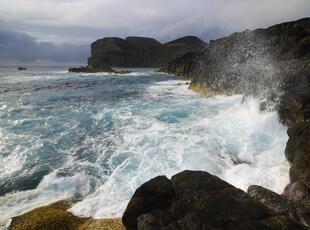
point(98, 137)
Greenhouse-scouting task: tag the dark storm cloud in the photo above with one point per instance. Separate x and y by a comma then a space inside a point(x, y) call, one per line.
point(79, 22)
point(22, 47)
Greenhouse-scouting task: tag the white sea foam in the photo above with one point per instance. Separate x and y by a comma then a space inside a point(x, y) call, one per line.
point(235, 141)
point(168, 128)
point(51, 189)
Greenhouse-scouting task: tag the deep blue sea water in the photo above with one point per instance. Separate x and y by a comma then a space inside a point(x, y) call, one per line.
point(97, 137)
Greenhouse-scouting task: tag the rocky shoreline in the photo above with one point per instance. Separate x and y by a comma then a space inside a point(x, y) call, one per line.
point(272, 64)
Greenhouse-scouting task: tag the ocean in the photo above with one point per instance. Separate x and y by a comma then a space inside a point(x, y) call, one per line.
point(98, 137)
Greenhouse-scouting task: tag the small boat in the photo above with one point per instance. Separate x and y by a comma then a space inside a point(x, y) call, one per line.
point(22, 68)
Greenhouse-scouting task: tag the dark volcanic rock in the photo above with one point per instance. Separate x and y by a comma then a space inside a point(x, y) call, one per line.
point(295, 98)
point(189, 181)
point(274, 65)
point(277, 204)
point(198, 200)
point(297, 153)
point(183, 66)
point(251, 62)
point(91, 69)
point(155, 194)
point(140, 51)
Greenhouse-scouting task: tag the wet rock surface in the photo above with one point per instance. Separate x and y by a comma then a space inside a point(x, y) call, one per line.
point(199, 200)
point(263, 62)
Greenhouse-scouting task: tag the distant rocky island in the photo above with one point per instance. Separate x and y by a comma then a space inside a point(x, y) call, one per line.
point(272, 64)
point(110, 52)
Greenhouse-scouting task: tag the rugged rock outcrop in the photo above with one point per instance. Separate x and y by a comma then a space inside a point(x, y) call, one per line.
point(251, 62)
point(140, 51)
point(197, 200)
point(273, 64)
point(183, 66)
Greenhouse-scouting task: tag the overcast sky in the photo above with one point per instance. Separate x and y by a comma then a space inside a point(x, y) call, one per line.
point(62, 30)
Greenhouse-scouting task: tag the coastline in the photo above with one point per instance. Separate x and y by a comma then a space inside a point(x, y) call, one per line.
point(292, 107)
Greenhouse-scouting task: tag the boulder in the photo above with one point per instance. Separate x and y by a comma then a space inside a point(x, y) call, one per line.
point(154, 194)
point(198, 200)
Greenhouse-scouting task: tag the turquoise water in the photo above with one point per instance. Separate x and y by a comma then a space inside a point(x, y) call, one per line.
point(97, 137)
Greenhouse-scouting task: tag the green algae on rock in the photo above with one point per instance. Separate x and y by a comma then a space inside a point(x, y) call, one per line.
point(56, 217)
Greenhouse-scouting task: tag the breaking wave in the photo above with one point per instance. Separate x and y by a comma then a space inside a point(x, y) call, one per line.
point(97, 137)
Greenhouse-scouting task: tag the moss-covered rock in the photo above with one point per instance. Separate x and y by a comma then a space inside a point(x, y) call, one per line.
point(56, 217)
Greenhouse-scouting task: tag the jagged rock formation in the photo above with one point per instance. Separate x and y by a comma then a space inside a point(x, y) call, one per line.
point(197, 200)
point(251, 61)
point(183, 66)
point(273, 64)
point(263, 62)
point(140, 51)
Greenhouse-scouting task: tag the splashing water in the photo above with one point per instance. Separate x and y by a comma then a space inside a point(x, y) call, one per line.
point(97, 137)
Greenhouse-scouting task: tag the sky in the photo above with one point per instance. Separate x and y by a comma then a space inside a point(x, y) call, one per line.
point(44, 32)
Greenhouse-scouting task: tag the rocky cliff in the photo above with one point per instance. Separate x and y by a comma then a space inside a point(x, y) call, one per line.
point(140, 51)
point(263, 62)
point(272, 64)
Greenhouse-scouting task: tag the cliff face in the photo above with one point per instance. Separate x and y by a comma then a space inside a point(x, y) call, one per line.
point(252, 62)
point(140, 51)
